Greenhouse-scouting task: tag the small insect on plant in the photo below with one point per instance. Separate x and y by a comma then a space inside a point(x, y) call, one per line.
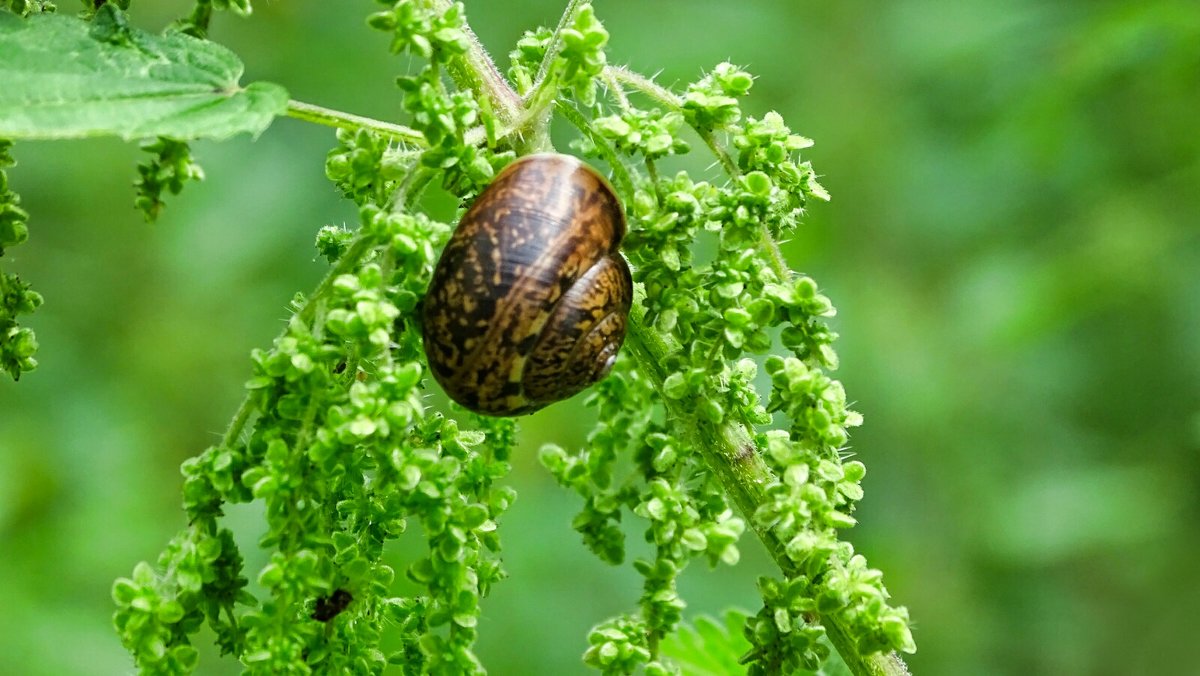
point(326, 608)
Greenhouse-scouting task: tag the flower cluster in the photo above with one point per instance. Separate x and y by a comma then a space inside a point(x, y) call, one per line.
point(17, 343)
point(686, 514)
point(620, 646)
point(703, 324)
point(578, 57)
point(27, 7)
point(582, 57)
point(168, 170)
point(527, 57)
point(343, 454)
point(650, 133)
point(335, 441)
point(417, 29)
point(712, 102)
point(445, 118)
point(337, 444)
point(364, 167)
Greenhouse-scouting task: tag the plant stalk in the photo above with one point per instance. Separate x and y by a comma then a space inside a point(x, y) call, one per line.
point(477, 72)
point(620, 173)
point(337, 119)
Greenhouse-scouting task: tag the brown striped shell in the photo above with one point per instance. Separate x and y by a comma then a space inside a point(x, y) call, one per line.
point(529, 301)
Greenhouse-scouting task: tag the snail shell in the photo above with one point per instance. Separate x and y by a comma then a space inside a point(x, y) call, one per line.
point(529, 301)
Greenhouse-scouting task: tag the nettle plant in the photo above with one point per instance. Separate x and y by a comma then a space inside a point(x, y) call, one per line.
point(335, 439)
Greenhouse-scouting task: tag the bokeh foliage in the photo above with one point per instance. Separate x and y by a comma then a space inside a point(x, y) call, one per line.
point(1013, 247)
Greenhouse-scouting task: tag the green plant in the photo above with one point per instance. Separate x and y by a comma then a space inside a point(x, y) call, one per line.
point(333, 437)
point(17, 343)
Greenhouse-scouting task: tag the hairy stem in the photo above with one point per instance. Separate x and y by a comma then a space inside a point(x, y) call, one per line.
point(728, 450)
point(644, 85)
point(879, 664)
point(340, 120)
point(620, 173)
point(615, 88)
point(477, 72)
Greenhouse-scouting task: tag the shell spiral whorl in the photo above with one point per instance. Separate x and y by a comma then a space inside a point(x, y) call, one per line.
point(530, 299)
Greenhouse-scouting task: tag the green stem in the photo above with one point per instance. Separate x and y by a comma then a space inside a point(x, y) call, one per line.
point(241, 418)
point(614, 86)
point(340, 120)
point(530, 132)
point(350, 260)
point(410, 188)
point(620, 173)
point(475, 71)
point(200, 18)
point(728, 449)
point(623, 103)
point(644, 85)
point(723, 156)
point(652, 172)
point(879, 664)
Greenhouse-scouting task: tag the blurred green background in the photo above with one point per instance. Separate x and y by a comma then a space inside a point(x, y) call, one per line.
point(1013, 245)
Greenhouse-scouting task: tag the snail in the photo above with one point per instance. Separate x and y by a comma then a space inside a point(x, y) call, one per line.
point(529, 300)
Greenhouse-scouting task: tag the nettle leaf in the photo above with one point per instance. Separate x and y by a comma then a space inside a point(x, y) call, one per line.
point(715, 647)
point(709, 647)
point(66, 78)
